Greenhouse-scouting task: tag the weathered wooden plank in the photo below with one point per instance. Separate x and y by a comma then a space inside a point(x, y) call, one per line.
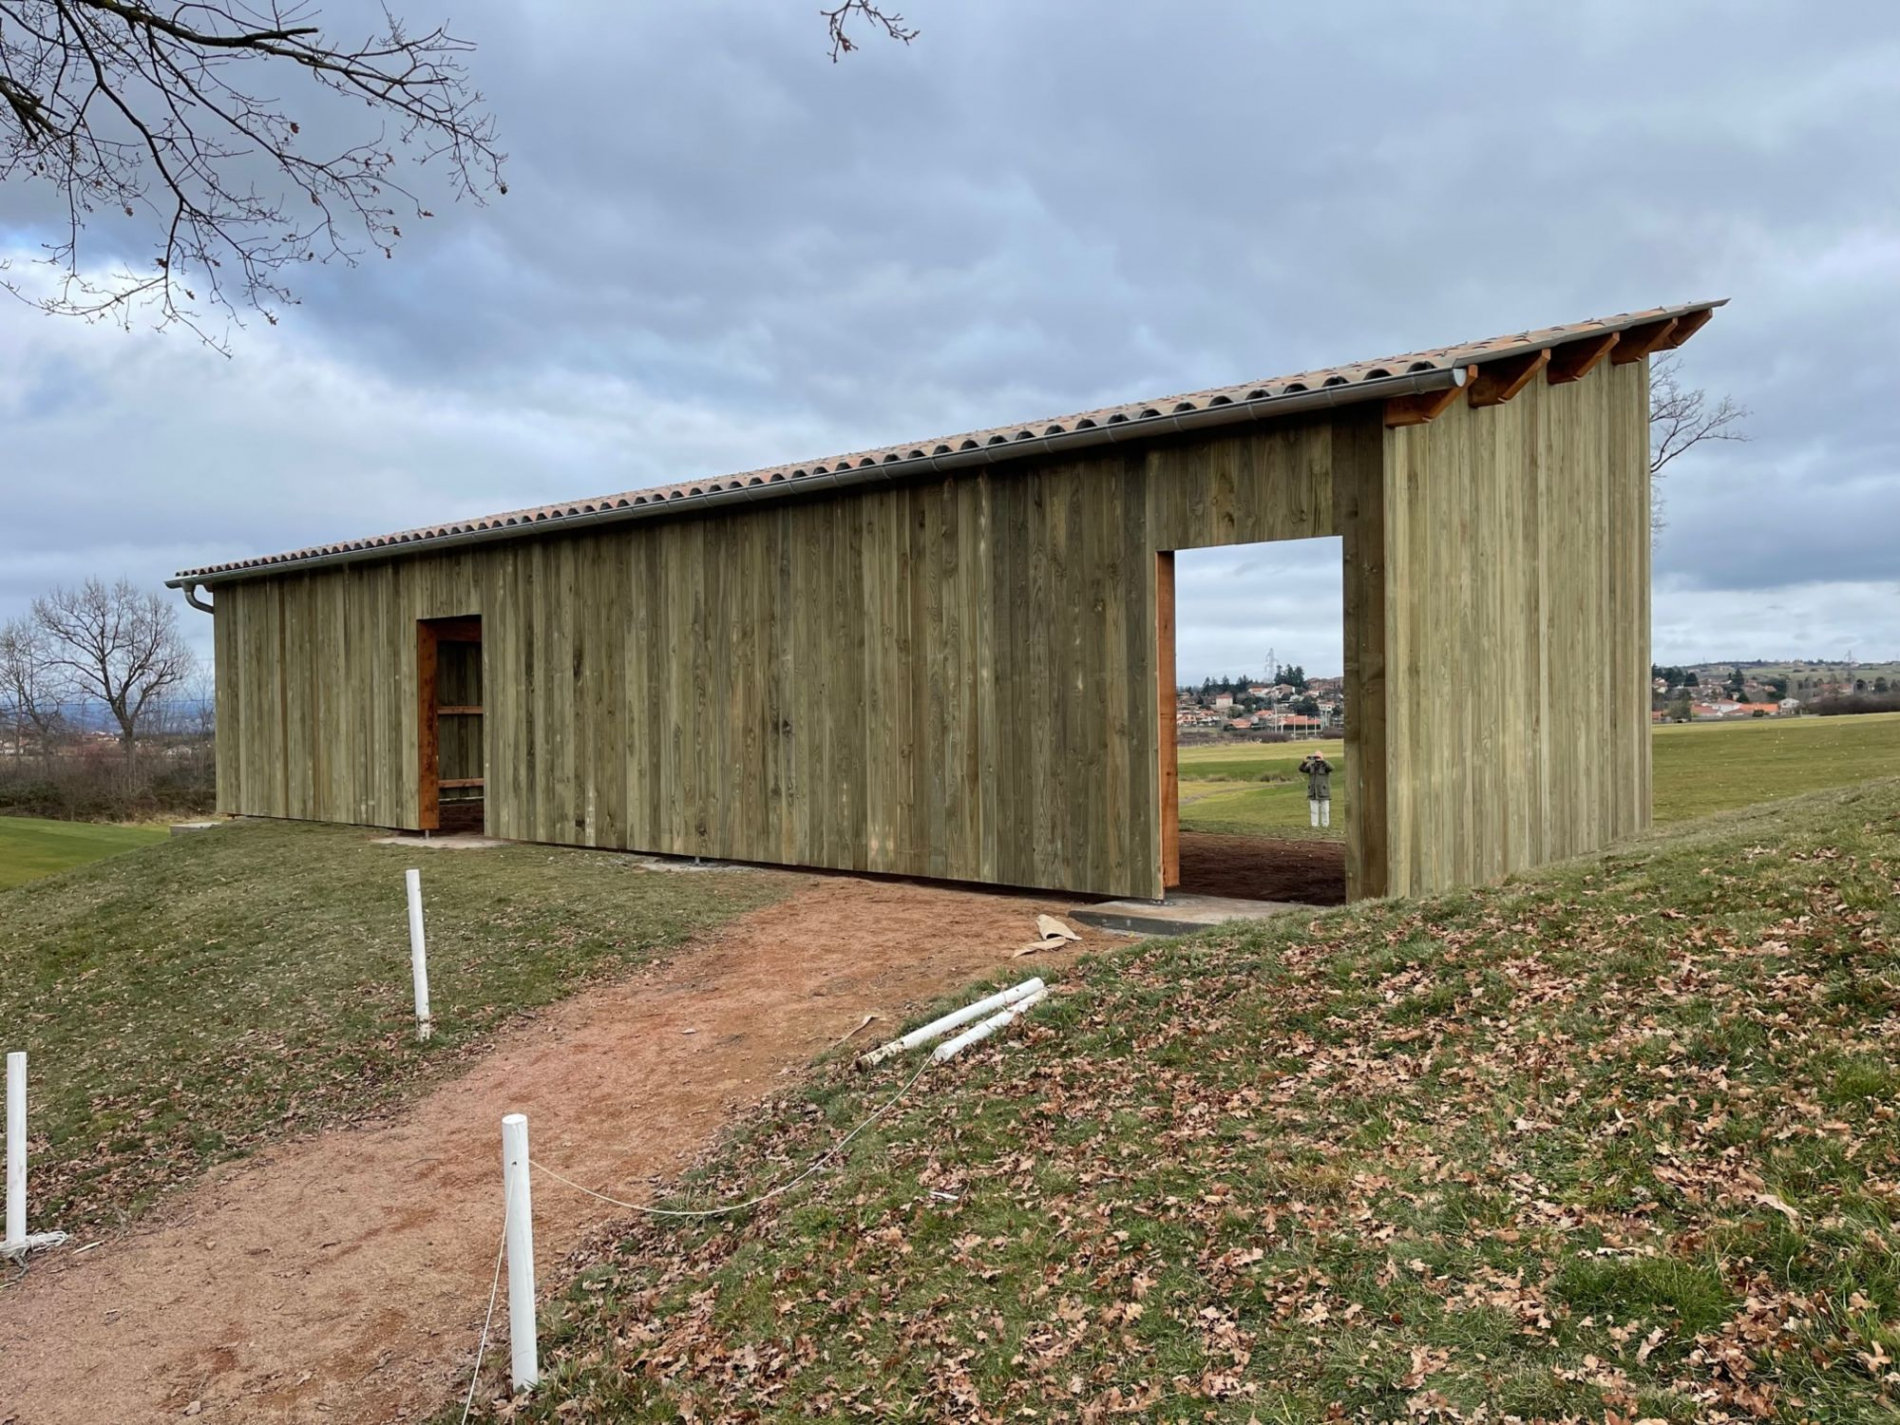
point(1360, 503)
point(964, 678)
point(1168, 760)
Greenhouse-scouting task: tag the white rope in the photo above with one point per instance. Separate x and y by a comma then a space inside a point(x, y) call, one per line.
point(494, 1291)
point(785, 1187)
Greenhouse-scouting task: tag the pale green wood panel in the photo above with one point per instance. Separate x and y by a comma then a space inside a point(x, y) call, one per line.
point(949, 678)
point(1517, 641)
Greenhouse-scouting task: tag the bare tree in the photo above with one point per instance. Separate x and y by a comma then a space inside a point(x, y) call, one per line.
point(1681, 417)
point(29, 688)
point(168, 112)
point(117, 646)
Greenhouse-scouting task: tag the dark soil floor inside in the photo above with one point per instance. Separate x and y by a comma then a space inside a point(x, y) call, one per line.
point(1262, 868)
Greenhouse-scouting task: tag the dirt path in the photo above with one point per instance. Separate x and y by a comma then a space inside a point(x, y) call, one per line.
point(1263, 868)
point(342, 1277)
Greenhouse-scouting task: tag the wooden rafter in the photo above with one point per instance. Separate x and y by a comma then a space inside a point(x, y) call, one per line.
point(1498, 381)
point(1638, 342)
point(1574, 360)
point(1422, 408)
point(1685, 328)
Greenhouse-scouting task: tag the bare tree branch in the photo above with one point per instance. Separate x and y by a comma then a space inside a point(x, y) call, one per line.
point(157, 112)
point(1681, 418)
point(838, 21)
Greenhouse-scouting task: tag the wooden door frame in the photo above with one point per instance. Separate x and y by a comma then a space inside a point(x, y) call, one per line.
point(1168, 760)
point(430, 634)
point(1362, 567)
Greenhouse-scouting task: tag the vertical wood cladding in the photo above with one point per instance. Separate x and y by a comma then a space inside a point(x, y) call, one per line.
point(1517, 631)
point(959, 679)
point(954, 679)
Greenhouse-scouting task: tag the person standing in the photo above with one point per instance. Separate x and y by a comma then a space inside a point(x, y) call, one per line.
point(1319, 792)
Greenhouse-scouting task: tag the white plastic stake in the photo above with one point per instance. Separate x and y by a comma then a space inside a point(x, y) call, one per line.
point(923, 1034)
point(418, 955)
point(16, 1150)
point(520, 1233)
point(950, 1048)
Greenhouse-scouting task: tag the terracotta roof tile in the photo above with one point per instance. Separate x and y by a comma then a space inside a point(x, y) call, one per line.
point(998, 439)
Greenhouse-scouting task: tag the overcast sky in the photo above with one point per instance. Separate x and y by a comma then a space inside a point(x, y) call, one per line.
point(720, 250)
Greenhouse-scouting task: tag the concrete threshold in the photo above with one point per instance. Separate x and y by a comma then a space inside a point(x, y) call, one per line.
point(1179, 914)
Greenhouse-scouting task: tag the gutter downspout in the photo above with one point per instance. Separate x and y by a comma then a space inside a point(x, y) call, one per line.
point(1381, 388)
point(190, 586)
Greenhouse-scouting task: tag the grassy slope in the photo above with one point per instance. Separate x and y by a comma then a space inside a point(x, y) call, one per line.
point(31, 847)
point(189, 1002)
point(1611, 1142)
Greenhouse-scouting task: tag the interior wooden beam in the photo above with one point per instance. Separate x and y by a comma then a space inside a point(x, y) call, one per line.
point(1420, 409)
point(1639, 341)
point(1575, 360)
point(1685, 328)
point(1498, 381)
point(456, 630)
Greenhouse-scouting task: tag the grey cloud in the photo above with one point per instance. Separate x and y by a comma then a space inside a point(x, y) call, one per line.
point(721, 251)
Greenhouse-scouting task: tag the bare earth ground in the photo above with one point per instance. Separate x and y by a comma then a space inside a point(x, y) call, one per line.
point(1259, 868)
point(343, 1277)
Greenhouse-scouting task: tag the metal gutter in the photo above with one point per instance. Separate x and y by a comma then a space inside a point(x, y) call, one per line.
point(885, 472)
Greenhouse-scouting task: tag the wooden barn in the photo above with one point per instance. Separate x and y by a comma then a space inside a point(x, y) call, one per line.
point(955, 659)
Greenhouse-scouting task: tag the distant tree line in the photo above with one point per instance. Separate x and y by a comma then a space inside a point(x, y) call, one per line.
point(1870, 701)
point(1291, 674)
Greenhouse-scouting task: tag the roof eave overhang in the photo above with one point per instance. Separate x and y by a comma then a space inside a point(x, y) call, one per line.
point(1683, 319)
point(1273, 407)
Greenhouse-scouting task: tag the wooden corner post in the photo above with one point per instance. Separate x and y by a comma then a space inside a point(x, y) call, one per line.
point(1169, 753)
point(1359, 504)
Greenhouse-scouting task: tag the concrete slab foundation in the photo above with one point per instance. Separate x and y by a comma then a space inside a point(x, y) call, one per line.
point(1179, 914)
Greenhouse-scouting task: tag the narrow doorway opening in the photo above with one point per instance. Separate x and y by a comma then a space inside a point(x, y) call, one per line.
point(452, 782)
point(1251, 662)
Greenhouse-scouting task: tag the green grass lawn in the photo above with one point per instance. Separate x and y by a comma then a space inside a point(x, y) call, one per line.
point(191, 1001)
point(30, 847)
point(1705, 767)
point(1615, 1141)
point(1254, 789)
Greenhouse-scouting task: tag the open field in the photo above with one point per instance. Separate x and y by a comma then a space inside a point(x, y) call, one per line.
point(190, 1002)
point(31, 847)
point(1255, 789)
point(1706, 767)
point(1613, 1141)
point(1701, 768)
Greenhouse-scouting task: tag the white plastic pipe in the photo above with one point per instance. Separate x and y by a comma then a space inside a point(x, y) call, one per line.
point(16, 1150)
point(925, 1033)
point(418, 955)
point(950, 1048)
point(523, 1353)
